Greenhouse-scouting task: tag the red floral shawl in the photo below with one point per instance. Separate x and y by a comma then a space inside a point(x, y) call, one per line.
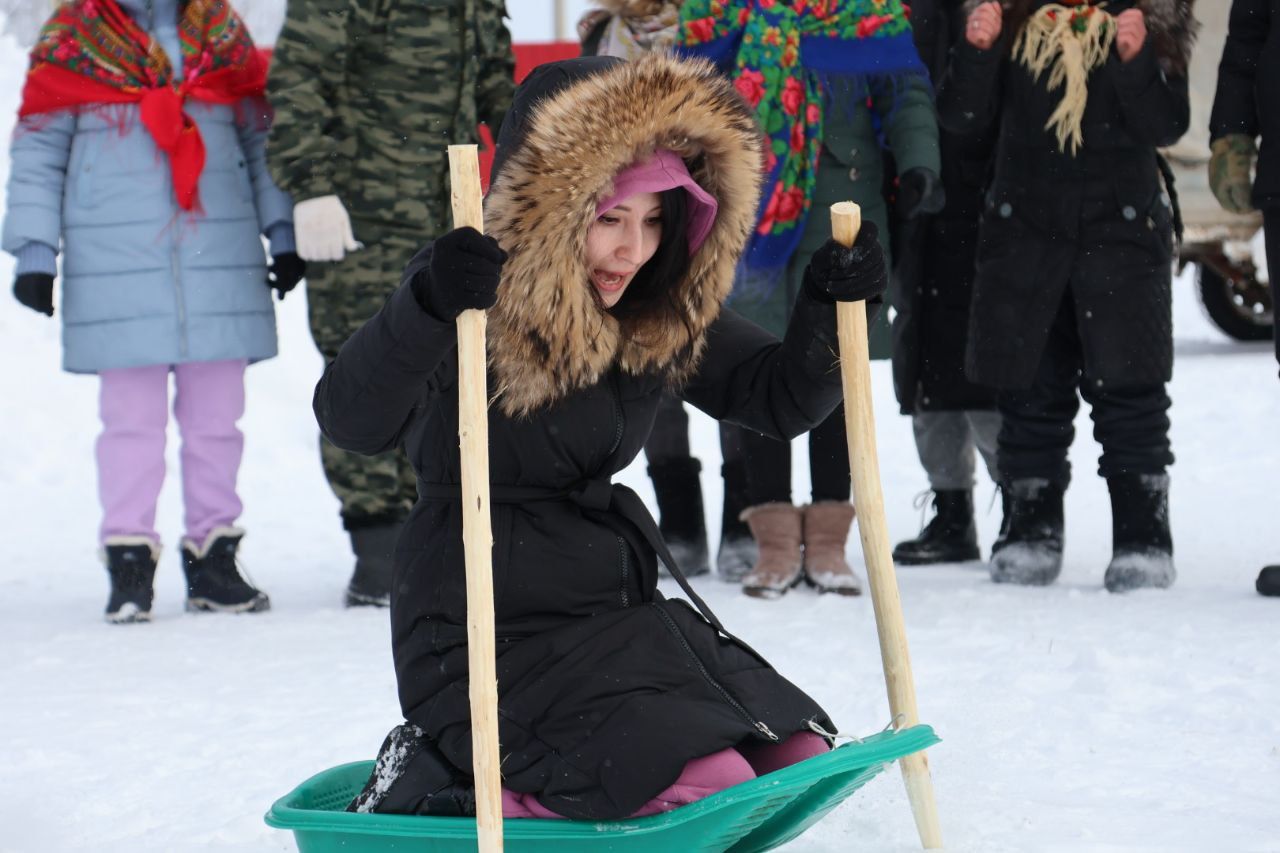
point(92, 53)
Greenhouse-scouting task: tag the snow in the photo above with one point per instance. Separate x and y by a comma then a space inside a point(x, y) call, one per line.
point(1071, 719)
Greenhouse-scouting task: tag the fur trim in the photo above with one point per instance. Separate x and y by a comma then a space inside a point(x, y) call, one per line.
point(634, 8)
point(199, 550)
point(548, 335)
point(1171, 26)
point(130, 540)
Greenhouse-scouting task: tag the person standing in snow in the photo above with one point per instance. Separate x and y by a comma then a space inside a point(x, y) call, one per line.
point(1246, 108)
point(622, 196)
point(950, 416)
point(628, 29)
point(1072, 296)
point(828, 81)
point(367, 94)
point(139, 153)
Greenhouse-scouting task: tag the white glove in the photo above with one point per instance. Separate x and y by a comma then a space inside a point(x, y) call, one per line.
point(323, 229)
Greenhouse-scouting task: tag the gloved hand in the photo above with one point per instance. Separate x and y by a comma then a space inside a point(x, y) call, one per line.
point(837, 274)
point(35, 290)
point(1231, 171)
point(286, 270)
point(919, 191)
point(464, 272)
point(323, 229)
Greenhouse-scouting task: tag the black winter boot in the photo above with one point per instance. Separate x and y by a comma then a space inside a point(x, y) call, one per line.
point(950, 537)
point(1029, 550)
point(213, 580)
point(375, 546)
point(1141, 545)
point(1268, 582)
point(680, 516)
point(738, 553)
point(131, 564)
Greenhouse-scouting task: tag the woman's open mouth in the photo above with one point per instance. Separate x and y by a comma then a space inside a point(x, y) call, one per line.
point(610, 282)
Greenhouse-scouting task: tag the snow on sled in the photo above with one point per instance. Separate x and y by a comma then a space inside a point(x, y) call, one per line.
point(758, 815)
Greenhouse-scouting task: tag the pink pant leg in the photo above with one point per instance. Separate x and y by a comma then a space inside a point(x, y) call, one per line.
point(526, 805)
point(700, 778)
point(134, 406)
point(209, 401)
point(768, 757)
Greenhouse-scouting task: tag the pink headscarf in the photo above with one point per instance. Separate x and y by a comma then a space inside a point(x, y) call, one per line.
point(666, 171)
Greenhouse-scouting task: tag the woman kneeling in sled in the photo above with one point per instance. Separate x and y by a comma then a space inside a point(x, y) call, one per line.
point(622, 196)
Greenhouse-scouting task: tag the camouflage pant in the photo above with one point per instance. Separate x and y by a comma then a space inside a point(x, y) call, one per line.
point(340, 298)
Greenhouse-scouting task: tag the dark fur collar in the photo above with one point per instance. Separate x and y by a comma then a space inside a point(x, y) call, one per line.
point(547, 334)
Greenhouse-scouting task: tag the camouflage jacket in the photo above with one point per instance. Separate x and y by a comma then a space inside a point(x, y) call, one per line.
point(367, 94)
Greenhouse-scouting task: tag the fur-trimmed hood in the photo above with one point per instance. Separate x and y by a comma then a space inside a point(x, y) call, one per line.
point(634, 8)
point(1171, 26)
point(573, 126)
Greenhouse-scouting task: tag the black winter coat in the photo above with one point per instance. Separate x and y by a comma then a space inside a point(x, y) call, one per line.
point(606, 689)
point(1096, 224)
point(1248, 96)
point(934, 265)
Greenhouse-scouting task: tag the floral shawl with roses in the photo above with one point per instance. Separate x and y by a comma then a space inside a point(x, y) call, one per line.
point(792, 60)
point(91, 53)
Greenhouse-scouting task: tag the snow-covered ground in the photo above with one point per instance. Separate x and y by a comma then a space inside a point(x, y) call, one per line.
point(1071, 719)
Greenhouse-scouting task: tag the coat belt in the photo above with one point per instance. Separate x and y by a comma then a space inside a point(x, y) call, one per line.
point(598, 497)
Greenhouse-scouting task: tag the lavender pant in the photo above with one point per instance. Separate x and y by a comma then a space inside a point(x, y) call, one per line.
point(134, 406)
point(701, 777)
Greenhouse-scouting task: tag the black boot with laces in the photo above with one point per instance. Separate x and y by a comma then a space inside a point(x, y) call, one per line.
point(214, 582)
point(949, 537)
point(131, 564)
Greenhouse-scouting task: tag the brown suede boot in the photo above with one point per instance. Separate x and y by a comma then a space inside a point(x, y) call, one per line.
point(776, 528)
point(826, 530)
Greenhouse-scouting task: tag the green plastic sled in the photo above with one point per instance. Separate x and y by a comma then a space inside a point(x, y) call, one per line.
point(755, 816)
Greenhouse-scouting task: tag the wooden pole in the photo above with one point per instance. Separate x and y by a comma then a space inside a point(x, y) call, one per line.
point(477, 528)
point(859, 418)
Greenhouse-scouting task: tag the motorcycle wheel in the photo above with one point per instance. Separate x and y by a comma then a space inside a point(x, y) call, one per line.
point(1239, 305)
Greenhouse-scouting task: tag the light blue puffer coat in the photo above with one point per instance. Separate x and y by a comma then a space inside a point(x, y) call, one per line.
point(144, 282)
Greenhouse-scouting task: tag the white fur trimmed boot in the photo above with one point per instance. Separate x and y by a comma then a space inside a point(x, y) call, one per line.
point(214, 582)
point(131, 565)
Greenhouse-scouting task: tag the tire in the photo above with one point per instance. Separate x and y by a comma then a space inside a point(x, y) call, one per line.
point(1239, 306)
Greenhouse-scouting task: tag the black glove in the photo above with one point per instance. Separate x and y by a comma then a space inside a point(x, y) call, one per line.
point(839, 274)
point(919, 191)
point(35, 290)
point(464, 272)
point(286, 270)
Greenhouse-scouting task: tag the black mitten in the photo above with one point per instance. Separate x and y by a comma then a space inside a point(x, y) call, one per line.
point(286, 270)
point(464, 272)
point(35, 290)
point(919, 191)
point(839, 274)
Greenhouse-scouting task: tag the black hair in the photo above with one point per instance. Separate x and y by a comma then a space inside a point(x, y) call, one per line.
point(654, 283)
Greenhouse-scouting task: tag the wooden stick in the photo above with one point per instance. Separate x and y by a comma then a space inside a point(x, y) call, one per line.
point(859, 419)
point(477, 527)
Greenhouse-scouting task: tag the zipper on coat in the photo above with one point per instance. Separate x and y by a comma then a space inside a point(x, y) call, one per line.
point(626, 571)
point(175, 268)
point(615, 396)
point(758, 725)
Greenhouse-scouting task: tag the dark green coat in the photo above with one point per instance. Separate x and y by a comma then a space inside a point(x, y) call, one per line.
point(852, 169)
